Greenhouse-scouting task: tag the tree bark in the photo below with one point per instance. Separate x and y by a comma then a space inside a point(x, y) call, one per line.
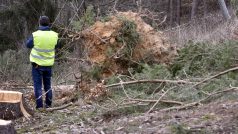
point(168, 9)
point(205, 10)
point(171, 12)
point(56, 3)
point(7, 127)
point(84, 6)
point(224, 9)
point(178, 8)
point(194, 9)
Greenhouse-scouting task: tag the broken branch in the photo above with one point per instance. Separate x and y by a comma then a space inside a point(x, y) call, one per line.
point(217, 75)
point(59, 108)
point(150, 81)
point(163, 101)
point(159, 100)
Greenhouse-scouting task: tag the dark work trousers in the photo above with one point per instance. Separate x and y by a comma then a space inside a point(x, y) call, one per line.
point(42, 75)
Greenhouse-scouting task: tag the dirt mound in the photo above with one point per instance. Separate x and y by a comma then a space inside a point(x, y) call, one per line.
point(110, 47)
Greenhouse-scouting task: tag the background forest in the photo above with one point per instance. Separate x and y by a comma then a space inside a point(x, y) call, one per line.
point(183, 20)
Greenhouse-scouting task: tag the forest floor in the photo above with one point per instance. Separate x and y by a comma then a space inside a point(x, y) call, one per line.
point(215, 117)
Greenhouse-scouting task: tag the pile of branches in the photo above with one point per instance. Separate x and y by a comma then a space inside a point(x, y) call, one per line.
point(161, 99)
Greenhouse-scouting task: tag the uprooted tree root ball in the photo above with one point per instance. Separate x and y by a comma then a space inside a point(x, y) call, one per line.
point(124, 40)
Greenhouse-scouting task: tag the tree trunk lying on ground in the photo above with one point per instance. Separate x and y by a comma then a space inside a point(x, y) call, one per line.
point(12, 105)
point(7, 127)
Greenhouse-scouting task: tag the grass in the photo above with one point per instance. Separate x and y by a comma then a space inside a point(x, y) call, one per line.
point(14, 65)
point(183, 129)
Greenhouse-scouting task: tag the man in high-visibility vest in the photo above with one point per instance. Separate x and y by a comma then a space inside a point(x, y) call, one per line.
point(42, 56)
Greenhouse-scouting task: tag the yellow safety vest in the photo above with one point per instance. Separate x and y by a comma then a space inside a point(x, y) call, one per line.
point(43, 52)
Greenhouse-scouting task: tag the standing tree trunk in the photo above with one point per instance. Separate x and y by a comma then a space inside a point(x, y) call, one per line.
point(168, 11)
point(84, 6)
point(56, 2)
point(178, 8)
point(171, 13)
point(205, 10)
point(194, 9)
point(224, 9)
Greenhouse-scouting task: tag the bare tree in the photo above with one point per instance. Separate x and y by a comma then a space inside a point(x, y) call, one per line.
point(224, 9)
point(178, 8)
point(205, 10)
point(194, 9)
point(171, 12)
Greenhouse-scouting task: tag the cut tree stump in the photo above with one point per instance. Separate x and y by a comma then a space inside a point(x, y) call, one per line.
point(7, 127)
point(12, 105)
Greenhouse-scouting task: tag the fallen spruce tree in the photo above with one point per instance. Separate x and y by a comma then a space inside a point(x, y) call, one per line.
point(124, 41)
point(112, 47)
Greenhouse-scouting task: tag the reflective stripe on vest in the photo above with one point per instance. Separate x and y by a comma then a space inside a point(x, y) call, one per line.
point(43, 52)
point(41, 57)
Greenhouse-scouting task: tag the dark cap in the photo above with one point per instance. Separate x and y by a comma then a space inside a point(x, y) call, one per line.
point(44, 21)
